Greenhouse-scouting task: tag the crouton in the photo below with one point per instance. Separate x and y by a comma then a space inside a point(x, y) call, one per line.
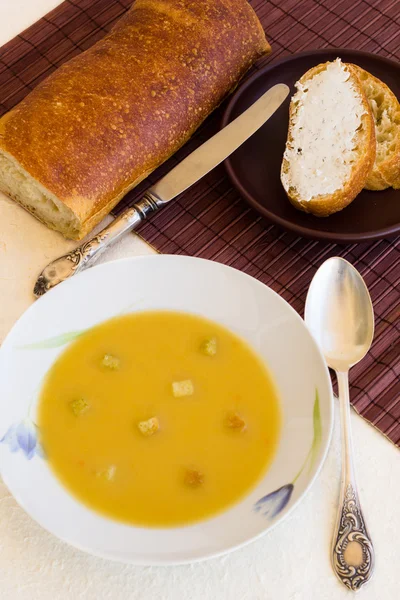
point(234, 421)
point(149, 427)
point(209, 347)
point(193, 478)
point(107, 474)
point(111, 362)
point(182, 388)
point(79, 406)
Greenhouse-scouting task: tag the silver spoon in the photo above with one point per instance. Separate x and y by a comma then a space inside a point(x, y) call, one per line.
point(340, 316)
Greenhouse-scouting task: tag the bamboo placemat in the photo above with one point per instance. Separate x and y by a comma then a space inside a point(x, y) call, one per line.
point(210, 219)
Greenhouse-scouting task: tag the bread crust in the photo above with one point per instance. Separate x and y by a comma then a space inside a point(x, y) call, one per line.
point(385, 173)
point(107, 118)
point(327, 204)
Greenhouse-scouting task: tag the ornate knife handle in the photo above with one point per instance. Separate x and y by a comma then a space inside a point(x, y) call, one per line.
point(352, 550)
point(86, 255)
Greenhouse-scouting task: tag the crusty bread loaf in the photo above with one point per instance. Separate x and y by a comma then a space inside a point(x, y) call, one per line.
point(330, 148)
point(105, 120)
point(386, 111)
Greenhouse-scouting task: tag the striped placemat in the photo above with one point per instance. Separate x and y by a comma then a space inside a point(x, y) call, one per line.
point(211, 220)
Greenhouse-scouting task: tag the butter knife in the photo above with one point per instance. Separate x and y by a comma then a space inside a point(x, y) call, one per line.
point(186, 173)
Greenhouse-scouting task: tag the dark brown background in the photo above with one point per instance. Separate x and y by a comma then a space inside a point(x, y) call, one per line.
point(211, 220)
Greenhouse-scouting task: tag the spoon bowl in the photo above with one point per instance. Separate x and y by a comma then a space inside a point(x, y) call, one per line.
point(339, 314)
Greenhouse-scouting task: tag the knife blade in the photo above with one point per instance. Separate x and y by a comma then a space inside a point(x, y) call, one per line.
point(186, 173)
point(220, 146)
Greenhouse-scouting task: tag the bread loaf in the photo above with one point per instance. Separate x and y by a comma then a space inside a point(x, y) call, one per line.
point(106, 119)
point(330, 148)
point(386, 112)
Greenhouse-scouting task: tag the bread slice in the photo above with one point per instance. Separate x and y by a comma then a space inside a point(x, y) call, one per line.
point(331, 145)
point(386, 111)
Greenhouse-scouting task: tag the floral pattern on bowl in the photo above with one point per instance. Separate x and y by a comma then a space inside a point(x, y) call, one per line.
point(23, 436)
point(53, 342)
point(274, 502)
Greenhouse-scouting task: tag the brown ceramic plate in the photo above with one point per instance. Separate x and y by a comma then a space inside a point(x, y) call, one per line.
point(255, 167)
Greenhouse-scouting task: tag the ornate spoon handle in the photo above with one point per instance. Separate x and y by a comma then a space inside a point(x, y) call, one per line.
point(352, 550)
point(85, 255)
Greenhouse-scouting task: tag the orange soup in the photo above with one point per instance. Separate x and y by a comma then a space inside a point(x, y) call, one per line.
point(159, 418)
